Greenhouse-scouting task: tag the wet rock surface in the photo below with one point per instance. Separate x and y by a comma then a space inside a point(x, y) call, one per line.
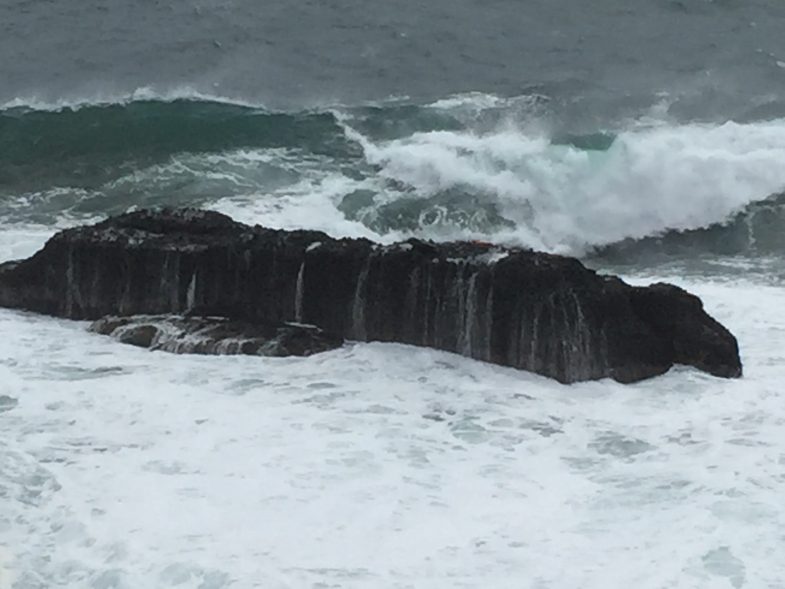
point(216, 335)
point(544, 313)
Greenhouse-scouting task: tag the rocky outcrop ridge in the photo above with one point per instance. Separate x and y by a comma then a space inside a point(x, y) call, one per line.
point(539, 312)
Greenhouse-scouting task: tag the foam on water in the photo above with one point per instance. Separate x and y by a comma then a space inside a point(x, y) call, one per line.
point(26, 239)
point(482, 167)
point(565, 199)
point(387, 466)
point(520, 188)
point(311, 203)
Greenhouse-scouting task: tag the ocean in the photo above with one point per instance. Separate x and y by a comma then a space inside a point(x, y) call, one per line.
point(646, 138)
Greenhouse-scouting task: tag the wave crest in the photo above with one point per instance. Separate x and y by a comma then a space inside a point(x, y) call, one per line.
point(757, 230)
point(573, 195)
point(471, 166)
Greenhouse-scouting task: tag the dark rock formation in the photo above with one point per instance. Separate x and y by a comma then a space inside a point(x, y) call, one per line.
point(539, 312)
point(678, 317)
point(216, 335)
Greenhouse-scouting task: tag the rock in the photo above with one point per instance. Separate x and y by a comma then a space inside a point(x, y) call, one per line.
point(216, 335)
point(697, 339)
point(544, 313)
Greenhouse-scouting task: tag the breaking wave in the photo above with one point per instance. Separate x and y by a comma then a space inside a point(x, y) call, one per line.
point(574, 194)
point(468, 166)
point(757, 230)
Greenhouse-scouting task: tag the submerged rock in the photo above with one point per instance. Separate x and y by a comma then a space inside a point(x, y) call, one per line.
point(216, 335)
point(540, 312)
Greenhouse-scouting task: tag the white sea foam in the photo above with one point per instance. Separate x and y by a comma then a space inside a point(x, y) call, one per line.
point(310, 203)
point(387, 466)
point(472, 100)
point(566, 199)
point(26, 239)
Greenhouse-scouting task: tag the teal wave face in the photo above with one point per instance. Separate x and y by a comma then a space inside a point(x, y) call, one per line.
point(757, 230)
point(88, 146)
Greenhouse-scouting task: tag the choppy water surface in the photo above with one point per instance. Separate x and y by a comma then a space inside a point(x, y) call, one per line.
point(386, 466)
